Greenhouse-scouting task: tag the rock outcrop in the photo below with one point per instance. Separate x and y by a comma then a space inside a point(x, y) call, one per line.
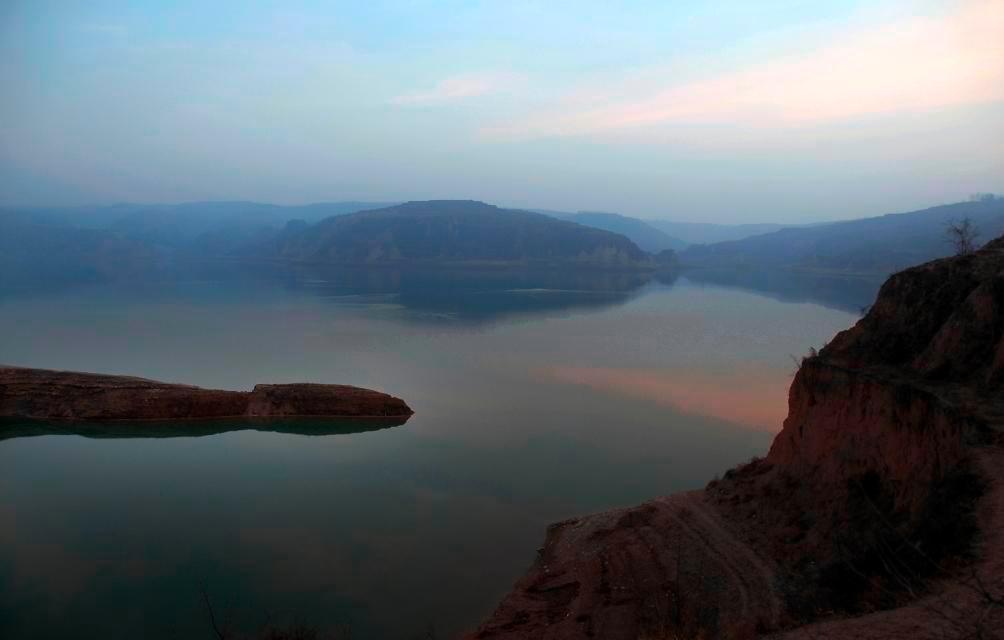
point(878, 512)
point(46, 395)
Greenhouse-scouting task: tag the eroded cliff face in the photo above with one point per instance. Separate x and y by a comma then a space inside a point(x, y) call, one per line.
point(877, 483)
point(844, 424)
point(893, 408)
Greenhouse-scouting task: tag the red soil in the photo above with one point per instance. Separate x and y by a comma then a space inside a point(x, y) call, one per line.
point(861, 504)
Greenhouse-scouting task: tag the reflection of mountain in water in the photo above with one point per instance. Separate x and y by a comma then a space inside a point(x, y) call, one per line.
point(844, 293)
point(16, 428)
point(427, 295)
point(473, 297)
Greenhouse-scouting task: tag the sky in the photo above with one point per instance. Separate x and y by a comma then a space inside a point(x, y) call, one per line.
point(732, 111)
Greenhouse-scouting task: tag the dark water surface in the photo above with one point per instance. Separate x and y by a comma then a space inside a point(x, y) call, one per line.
point(537, 397)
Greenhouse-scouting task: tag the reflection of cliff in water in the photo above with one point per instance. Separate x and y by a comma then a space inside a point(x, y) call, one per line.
point(469, 296)
point(18, 428)
point(844, 293)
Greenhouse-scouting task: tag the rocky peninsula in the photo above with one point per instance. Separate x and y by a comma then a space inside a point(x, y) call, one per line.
point(877, 513)
point(48, 395)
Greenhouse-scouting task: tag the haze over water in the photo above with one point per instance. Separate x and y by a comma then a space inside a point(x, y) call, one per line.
point(537, 397)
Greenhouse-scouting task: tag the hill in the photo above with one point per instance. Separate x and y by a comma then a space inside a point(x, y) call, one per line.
point(200, 227)
point(640, 232)
point(657, 235)
point(33, 252)
point(452, 231)
point(707, 232)
point(68, 245)
point(879, 245)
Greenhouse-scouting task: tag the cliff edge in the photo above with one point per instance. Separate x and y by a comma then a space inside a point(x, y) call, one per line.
point(878, 512)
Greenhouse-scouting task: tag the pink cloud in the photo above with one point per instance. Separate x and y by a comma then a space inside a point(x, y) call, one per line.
point(460, 87)
point(914, 65)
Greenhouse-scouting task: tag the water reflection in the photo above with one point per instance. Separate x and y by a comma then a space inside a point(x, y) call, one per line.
point(471, 297)
point(479, 297)
point(474, 297)
point(842, 292)
point(16, 428)
point(743, 396)
point(538, 396)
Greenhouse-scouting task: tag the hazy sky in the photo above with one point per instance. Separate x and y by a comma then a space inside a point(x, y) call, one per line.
point(774, 110)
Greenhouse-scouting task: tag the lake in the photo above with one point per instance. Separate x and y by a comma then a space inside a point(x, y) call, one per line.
point(537, 397)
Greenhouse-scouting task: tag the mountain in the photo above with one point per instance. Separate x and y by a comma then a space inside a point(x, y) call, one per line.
point(707, 232)
point(452, 231)
point(875, 514)
point(879, 245)
point(640, 232)
point(46, 247)
point(200, 227)
point(657, 235)
point(33, 252)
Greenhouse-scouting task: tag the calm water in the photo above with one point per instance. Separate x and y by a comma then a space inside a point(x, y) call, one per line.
point(537, 397)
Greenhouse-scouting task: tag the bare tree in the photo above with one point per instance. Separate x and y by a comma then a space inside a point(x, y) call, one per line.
point(983, 197)
point(963, 235)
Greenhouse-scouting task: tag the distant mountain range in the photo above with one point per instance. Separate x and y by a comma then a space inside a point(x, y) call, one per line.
point(878, 245)
point(93, 243)
point(706, 233)
point(65, 246)
point(200, 226)
point(657, 235)
point(32, 250)
point(87, 243)
point(450, 231)
point(212, 228)
point(640, 232)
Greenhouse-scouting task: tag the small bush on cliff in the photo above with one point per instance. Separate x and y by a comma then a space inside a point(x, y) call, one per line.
point(800, 362)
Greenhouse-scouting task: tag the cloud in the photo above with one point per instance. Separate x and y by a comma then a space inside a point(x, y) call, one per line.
point(461, 87)
point(916, 64)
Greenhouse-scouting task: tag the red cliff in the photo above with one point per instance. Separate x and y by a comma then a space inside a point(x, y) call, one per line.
point(879, 511)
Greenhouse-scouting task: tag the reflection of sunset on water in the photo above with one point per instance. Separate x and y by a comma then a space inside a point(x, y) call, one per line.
point(383, 529)
point(756, 399)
